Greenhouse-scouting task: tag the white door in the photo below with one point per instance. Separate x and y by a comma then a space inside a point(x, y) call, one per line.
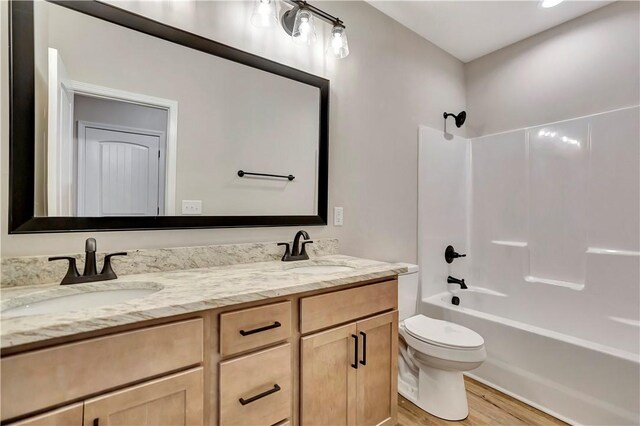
point(118, 173)
point(60, 155)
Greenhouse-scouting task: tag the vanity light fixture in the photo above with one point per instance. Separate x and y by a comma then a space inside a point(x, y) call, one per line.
point(338, 46)
point(550, 3)
point(264, 14)
point(304, 29)
point(299, 23)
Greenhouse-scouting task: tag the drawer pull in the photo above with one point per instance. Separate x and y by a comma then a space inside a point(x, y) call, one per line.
point(258, 330)
point(275, 389)
point(364, 348)
point(355, 356)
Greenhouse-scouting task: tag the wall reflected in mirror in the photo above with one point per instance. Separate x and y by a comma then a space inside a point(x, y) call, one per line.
point(132, 125)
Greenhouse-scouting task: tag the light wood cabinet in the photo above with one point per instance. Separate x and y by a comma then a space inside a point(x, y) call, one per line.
point(256, 389)
point(322, 358)
point(70, 415)
point(348, 374)
point(253, 328)
point(328, 377)
point(96, 365)
point(336, 307)
point(175, 400)
point(377, 393)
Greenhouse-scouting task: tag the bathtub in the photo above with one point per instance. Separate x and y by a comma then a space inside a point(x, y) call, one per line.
point(569, 374)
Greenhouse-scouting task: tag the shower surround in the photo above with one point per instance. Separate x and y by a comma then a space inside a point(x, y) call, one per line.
point(550, 219)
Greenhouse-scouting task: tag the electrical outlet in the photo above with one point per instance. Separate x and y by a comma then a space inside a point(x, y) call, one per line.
point(338, 216)
point(191, 207)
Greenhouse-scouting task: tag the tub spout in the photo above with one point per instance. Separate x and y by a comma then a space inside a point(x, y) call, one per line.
point(452, 280)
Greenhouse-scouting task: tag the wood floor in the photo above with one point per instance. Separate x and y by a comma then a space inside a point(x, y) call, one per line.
point(487, 406)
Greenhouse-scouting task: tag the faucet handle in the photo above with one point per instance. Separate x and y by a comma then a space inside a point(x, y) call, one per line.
point(72, 271)
point(287, 250)
point(450, 254)
point(106, 267)
point(303, 251)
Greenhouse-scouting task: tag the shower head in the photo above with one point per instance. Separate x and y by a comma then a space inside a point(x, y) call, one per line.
point(460, 118)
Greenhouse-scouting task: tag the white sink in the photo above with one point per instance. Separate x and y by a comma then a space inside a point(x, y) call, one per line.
point(56, 303)
point(319, 269)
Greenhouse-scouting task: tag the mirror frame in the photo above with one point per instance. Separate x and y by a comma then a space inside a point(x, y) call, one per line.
point(21, 215)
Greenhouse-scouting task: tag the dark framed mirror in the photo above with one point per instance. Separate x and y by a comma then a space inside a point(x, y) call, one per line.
point(191, 133)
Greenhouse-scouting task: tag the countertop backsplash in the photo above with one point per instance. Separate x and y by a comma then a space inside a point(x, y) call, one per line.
point(32, 270)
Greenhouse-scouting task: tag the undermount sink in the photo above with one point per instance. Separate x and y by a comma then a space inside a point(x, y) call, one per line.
point(57, 303)
point(319, 269)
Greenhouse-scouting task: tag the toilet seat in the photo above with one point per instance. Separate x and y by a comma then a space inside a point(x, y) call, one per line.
point(443, 334)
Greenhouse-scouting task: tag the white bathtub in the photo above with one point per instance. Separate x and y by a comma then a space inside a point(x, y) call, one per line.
point(569, 376)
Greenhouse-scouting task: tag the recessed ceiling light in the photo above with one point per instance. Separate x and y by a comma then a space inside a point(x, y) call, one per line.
point(550, 3)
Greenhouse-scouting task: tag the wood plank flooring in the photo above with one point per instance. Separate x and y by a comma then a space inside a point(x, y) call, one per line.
point(487, 406)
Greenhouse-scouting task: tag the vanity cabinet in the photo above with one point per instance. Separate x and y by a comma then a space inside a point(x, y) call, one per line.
point(348, 373)
point(324, 357)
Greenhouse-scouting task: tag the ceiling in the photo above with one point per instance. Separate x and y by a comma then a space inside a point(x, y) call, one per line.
point(471, 29)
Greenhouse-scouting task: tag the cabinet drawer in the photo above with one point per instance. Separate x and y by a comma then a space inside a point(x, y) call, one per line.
point(256, 389)
point(326, 310)
point(40, 379)
point(255, 327)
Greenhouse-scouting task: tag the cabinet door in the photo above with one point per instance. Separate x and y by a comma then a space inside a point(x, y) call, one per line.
point(174, 400)
point(377, 373)
point(328, 380)
point(70, 415)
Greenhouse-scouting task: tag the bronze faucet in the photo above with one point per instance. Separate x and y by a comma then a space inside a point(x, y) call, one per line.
point(299, 250)
point(90, 270)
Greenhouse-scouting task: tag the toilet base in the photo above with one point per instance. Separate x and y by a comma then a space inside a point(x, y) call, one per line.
point(442, 393)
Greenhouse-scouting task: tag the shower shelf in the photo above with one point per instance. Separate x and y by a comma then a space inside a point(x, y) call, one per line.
point(595, 250)
point(510, 243)
point(558, 283)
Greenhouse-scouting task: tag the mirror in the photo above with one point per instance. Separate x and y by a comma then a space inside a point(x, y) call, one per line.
point(139, 121)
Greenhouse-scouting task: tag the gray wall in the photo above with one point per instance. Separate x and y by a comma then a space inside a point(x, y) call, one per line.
point(588, 65)
point(393, 81)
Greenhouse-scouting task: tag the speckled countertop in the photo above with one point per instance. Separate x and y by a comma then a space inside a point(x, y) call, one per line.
point(179, 292)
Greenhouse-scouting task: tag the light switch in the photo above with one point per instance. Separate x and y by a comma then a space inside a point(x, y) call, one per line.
point(338, 216)
point(191, 207)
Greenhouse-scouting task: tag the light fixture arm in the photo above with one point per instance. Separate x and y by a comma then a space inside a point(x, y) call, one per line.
point(299, 4)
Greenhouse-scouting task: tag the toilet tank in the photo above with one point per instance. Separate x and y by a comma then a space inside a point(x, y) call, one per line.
point(408, 292)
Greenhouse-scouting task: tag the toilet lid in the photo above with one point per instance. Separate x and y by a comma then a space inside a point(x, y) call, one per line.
point(442, 333)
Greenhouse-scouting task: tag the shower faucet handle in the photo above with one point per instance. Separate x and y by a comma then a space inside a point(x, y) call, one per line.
point(450, 254)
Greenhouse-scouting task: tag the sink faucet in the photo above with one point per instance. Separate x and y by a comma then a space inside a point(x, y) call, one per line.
point(299, 250)
point(452, 280)
point(90, 273)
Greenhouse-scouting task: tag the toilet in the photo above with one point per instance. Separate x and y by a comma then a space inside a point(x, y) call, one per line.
point(433, 355)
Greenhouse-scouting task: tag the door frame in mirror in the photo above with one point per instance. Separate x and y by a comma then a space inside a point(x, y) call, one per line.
point(21, 214)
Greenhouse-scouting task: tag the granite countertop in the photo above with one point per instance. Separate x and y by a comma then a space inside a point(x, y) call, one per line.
point(178, 292)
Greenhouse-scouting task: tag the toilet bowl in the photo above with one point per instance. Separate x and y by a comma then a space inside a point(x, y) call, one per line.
point(433, 356)
point(439, 351)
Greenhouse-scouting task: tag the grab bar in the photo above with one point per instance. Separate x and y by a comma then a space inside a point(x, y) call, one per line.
point(242, 173)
